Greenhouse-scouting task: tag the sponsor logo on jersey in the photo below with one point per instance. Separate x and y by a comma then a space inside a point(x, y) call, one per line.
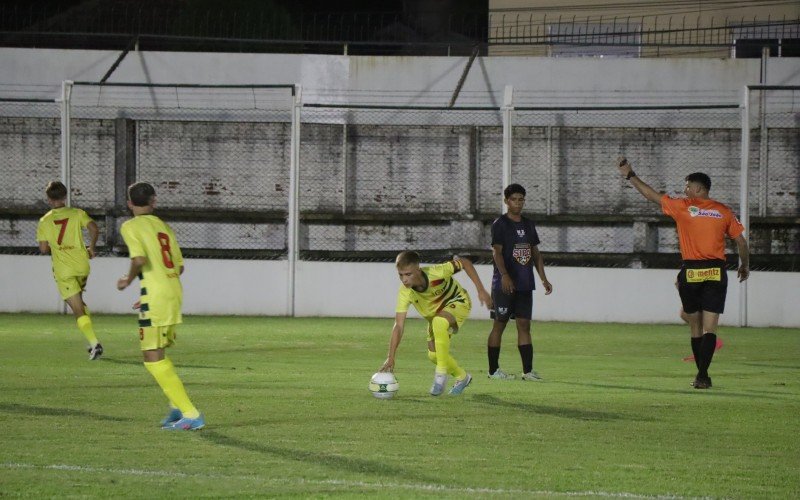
point(521, 233)
point(700, 275)
point(522, 253)
point(700, 212)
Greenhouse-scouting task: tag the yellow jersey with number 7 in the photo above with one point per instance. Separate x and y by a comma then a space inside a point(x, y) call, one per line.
point(62, 229)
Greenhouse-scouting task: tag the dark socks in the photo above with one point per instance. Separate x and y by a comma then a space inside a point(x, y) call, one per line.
point(696, 341)
point(709, 342)
point(526, 353)
point(494, 358)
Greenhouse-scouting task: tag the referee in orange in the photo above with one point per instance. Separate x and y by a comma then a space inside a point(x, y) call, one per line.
point(703, 224)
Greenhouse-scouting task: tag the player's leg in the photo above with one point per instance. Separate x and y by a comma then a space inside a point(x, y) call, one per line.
point(458, 314)
point(440, 327)
point(72, 291)
point(523, 311)
point(154, 341)
point(695, 322)
point(712, 301)
point(501, 313)
point(431, 349)
point(708, 343)
point(691, 305)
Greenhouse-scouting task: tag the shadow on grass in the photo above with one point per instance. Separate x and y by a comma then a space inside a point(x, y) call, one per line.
point(55, 412)
point(177, 366)
point(341, 463)
point(554, 411)
point(776, 366)
point(717, 391)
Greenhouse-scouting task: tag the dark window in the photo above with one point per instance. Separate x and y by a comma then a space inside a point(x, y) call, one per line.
point(790, 47)
point(750, 48)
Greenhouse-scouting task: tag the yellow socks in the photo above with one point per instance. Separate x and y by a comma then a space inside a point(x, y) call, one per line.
point(85, 326)
point(166, 376)
point(445, 363)
point(432, 356)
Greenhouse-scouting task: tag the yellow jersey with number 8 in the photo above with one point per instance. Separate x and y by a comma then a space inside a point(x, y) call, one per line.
point(161, 292)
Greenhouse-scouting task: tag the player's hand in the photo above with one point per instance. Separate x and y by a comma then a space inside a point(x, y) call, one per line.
point(388, 365)
point(123, 282)
point(743, 273)
point(91, 252)
point(623, 166)
point(485, 298)
point(548, 287)
point(507, 284)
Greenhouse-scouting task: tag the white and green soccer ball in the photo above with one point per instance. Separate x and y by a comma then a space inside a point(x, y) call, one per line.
point(383, 385)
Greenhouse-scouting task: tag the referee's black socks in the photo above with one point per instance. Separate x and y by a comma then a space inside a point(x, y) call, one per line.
point(707, 346)
point(696, 341)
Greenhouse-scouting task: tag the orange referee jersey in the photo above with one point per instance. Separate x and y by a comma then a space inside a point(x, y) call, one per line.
point(703, 225)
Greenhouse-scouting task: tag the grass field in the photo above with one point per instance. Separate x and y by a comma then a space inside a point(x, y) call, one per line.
point(289, 415)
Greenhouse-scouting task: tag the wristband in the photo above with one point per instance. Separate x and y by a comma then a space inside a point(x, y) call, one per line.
point(630, 174)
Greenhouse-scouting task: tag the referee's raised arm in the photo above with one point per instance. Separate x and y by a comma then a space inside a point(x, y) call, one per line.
point(626, 170)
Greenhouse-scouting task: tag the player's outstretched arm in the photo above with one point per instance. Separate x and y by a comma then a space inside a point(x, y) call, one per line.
point(483, 296)
point(744, 258)
point(394, 341)
point(626, 170)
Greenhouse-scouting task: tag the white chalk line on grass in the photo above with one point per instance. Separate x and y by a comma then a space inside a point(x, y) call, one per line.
point(338, 482)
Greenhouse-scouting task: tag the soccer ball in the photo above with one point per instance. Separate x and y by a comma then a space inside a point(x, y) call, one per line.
point(383, 385)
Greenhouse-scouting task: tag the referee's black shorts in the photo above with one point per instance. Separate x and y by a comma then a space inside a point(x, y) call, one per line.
point(703, 285)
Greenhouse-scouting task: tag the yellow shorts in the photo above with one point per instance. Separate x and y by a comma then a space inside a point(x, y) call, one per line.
point(156, 337)
point(70, 286)
point(459, 311)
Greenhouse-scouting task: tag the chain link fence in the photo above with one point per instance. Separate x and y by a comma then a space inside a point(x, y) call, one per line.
point(218, 157)
point(376, 179)
point(567, 159)
point(30, 157)
point(774, 174)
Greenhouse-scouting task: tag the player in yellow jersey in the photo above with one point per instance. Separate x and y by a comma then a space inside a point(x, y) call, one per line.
point(157, 261)
point(60, 233)
point(444, 304)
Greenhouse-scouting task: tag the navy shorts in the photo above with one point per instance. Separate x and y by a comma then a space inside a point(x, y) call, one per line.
point(703, 286)
point(517, 305)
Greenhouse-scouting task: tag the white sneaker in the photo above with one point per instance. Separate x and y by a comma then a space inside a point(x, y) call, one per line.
point(531, 377)
point(95, 352)
point(501, 375)
point(460, 385)
point(439, 382)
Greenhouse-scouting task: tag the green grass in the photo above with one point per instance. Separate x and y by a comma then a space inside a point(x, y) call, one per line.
point(288, 414)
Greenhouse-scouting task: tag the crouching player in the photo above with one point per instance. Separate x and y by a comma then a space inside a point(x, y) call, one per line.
point(157, 261)
point(444, 304)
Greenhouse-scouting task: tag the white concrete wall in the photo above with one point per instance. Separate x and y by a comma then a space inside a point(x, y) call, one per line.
point(401, 80)
point(369, 290)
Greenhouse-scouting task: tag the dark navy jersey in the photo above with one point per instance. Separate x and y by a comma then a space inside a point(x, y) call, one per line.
point(518, 240)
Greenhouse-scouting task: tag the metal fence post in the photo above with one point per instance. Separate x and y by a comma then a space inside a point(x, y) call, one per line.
point(508, 112)
point(292, 232)
point(744, 201)
point(66, 138)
